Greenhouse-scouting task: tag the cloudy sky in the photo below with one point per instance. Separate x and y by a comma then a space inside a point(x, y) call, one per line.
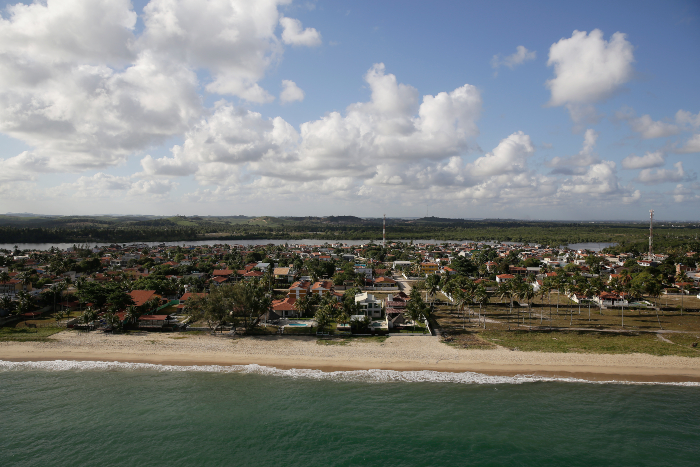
point(546, 110)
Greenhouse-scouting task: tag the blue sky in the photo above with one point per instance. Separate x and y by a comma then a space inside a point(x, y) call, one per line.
point(546, 110)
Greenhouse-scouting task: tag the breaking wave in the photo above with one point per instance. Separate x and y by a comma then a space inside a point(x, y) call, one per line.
point(367, 376)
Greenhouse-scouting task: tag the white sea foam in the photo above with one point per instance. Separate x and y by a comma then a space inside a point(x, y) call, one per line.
point(368, 376)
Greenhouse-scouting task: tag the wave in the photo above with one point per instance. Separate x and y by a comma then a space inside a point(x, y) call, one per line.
point(366, 376)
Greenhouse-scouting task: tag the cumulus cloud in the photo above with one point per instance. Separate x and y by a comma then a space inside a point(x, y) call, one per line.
point(103, 185)
point(576, 164)
point(290, 92)
point(85, 92)
point(293, 34)
point(685, 118)
point(508, 157)
point(690, 146)
point(657, 176)
point(645, 126)
point(599, 179)
point(391, 126)
point(520, 56)
point(588, 69)
point(648, 160)
point(682, 194)
point(217, 146)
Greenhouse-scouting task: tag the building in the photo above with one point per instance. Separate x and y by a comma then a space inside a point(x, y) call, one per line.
point(370, 306)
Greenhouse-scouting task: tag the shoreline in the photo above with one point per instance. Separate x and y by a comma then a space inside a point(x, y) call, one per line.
point(399, 353)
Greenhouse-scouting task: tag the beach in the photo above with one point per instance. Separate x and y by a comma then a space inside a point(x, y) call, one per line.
point(400, 353)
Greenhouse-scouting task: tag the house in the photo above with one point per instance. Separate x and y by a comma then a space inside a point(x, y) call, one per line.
point(187, 296)
point(322, 288)
point(140, 297)
point(429, 268)
point(299, 289)
point(385, 283)
point(610, 299)
point(283, 308)
point(370, 306)
point(283, 274)
point(504, 277)
point(153, 321)
point(14, 286)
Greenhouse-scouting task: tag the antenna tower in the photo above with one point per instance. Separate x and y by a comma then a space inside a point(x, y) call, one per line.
point(651, 234)
point(384, 233)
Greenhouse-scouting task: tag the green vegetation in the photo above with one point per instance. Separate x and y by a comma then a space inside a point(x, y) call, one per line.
point(79, 229)
point(23, 334)
point(593, 342)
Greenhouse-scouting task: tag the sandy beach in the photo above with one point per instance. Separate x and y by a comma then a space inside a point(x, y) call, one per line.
point(396, 353)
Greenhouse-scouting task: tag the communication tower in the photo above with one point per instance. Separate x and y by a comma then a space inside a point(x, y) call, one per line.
point(384, 233)
point(651, 234)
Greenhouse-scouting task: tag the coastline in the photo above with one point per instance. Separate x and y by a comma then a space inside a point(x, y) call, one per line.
point(396, 353)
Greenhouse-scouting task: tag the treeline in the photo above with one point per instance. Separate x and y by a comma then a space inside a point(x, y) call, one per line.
point(629, 237)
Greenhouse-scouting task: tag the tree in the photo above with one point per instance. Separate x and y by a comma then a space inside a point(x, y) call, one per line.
point(527, 293)
point(88, 316)
point(4, 277)
point(324, 315)
point(6, 303)
point(482, 298)
point(681, 279)
point(416, 309)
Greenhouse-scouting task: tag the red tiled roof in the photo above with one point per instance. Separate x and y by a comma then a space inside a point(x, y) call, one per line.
point(142, 296)
point(222, 272)
point(189, 295)
point(286, 304)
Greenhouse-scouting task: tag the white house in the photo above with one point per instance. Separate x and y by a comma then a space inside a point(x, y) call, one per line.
point(370, 306)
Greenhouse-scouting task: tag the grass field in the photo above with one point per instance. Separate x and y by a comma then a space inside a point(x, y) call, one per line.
point(24, 334)
point(545, 329)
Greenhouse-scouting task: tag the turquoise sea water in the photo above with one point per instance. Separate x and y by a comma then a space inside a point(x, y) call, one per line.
point(141, 415)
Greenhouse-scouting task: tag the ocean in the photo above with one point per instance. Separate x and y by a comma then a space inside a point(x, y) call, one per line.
point(111, 414)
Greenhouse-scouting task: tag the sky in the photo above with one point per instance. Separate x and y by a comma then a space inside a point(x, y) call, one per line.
point(470, 109)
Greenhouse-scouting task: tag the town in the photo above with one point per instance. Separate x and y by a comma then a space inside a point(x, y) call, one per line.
point(334, 289)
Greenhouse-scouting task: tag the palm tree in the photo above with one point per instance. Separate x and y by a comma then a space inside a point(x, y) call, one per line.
point(4, 277)
point(504, 291)
point(432, 285)
point(681, 279)
point(527, 293)
point(482, 297)
point(6, 303)
point(460, 299)
point(653, 289)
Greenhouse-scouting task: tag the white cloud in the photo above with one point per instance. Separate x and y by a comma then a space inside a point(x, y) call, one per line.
point(645, 126)
point(520, 56)
point(508, 157)
point(657, 176)
point(54, 31)
point(683, 117)
point(293, 34)
point(290, 92)
point(103, 185)
point(85, 92)
point(648, 160)
point(587, 156)
point(691, 146)
point(588, 69)
point(681, 194)
point(599, 179)
point(216, 146)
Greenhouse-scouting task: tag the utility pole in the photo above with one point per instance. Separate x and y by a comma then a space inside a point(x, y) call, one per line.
point(651, 234)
